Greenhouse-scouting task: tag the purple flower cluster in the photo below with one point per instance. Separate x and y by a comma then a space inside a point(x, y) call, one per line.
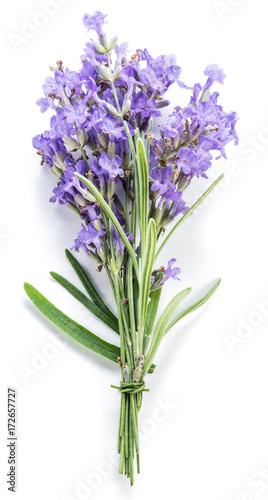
point(87, 136)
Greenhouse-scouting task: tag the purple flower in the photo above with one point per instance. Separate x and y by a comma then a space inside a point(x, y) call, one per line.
point(85, 137)
point(43, 103)
point(111, 127)
point(94, 22)
point(121, 51)
point(161, 178)
point(179, 207)
point(215, 74)
point(129, 75)
point(111, 166)
point(51, 150)
point(117, 241)
point(171, 273)
point(173, 194)
point(69, 189)
point(157, 281)
point(76, 113)
point(143, 105)
point(187, 160)
point(89, 236)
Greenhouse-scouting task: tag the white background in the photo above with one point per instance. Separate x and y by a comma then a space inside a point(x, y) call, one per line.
point(214, 444)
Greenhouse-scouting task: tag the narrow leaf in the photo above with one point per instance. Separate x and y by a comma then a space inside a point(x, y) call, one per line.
point(142, 189)
point(130, 141)
point(193, 306)
point(148, 256)
point(88, 285)
point(86, 302)
point(112, 218)
point(190, 211)
point(148, 140)
point(69, 326)
point(150, 317)
point(161, 327)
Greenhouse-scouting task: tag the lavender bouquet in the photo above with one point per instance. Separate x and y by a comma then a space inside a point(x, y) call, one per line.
point(127, 186)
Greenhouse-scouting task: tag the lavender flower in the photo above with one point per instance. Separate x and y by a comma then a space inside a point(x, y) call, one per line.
point(94, 22)
point(123, 169)
point(87, 137)
point(161, 275)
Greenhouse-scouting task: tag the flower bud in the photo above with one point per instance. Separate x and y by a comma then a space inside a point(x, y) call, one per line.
point(97, 224)
point(94, 257)
point(111, 189)
point(103, 190)
point(204, 95)
point(113, 267)
point(73, 208)
point(102, 254)
point(112, 109)
point(111, 149)
point(126, 163)
point(158, 215)
point(157, 281)
point(88, 196)
point(176, 142)
point(167, 221)
point(99, 48)
point(83, 137)
point(80, 200)
point(119, 260)
point(58, 161)
point(103, 41)
point(162, 104)
point(113, 43)
point(102, 139)
point(104, 72)
point(119, 205)
point(71, 142)
point(184, 182)
point(116, 71)
point(126, 105)
point(56, 171)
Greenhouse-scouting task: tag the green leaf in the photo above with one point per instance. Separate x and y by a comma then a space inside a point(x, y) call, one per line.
point(69, 326)
point(142, 190)
point(131, 143)
point(86, 302)
point(190, 211)
point(150, 317)
point(112, 218)
point(89, 287)
point(161, 327)
point(194, 306)
point(148, 140)
point(148, 256)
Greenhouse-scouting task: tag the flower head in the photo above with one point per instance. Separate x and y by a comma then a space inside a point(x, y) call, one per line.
point(94, 22)
point(87, 135)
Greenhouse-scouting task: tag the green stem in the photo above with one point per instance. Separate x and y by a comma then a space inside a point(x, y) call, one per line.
point(111, 236)
point(129, 287)
point(127, 204)
point(113, 88)
point(120, 322)
point(110, 277)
